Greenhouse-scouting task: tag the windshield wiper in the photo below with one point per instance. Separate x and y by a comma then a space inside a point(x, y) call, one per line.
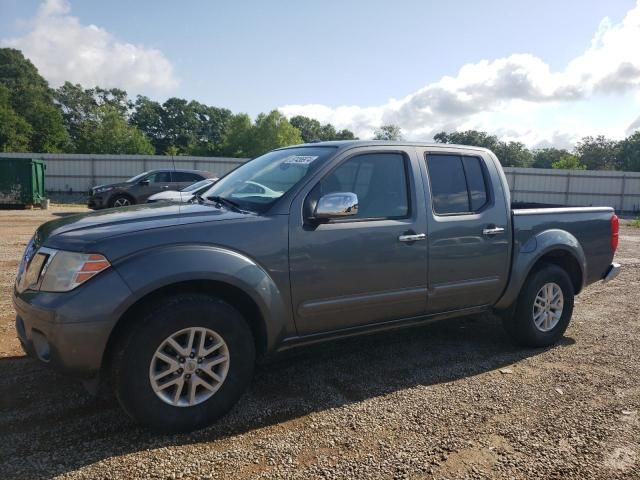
point(227, 203)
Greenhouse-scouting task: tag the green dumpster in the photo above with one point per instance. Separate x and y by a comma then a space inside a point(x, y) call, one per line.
point(21, 181)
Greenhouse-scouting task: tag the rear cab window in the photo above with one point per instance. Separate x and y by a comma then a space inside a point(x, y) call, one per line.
point(458, 184)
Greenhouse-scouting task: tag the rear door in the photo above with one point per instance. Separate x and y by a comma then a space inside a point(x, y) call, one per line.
point(358, 270)
point(469, 232)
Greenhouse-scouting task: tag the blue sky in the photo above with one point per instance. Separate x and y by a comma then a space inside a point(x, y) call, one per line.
point(346, 62)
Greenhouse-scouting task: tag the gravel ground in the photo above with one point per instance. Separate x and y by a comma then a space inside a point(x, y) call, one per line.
point(452, 399)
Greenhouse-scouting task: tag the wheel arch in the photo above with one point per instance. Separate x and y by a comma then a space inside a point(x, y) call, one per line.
point(121, 194)
point(232, 276)
point(554, 246)
point(231, 294)
point(565, 260)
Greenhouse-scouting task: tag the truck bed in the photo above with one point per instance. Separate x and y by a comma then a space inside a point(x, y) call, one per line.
point(591, 227)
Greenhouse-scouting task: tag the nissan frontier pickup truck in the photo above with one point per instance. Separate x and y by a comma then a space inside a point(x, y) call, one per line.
point(175, 302)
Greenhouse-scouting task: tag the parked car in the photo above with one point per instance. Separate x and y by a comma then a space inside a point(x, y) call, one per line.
point(175, 302)
point(137, 189)
point(185, 195)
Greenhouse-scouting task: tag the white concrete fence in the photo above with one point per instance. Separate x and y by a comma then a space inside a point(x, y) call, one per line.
point(76, 173)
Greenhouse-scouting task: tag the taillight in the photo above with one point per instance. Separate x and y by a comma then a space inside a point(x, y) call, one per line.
point(615, 232)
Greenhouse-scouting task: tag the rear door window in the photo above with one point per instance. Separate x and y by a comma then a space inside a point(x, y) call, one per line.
point(457, 183)
point(186, 177)
point(475, 182)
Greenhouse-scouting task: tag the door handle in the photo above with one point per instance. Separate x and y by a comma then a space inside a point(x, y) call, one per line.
point(492, 230)
point(413, 237)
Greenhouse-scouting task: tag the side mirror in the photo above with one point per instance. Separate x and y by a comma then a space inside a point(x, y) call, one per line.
point(144, 182)
point(336, 205)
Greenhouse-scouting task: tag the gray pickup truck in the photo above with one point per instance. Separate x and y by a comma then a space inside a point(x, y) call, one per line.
point(175, 302)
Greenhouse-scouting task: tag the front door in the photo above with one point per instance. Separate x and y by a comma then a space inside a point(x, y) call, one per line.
point(469, 232)
point(361, 269)
point(153, 183)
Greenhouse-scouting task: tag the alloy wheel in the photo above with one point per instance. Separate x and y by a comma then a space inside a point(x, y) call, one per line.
point(189, 366)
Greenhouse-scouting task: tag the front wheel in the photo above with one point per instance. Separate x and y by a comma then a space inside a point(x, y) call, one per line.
point(185, 364)
point(544, 308)
point(121, 201)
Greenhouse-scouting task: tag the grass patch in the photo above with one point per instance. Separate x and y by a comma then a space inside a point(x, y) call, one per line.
point(635, 223)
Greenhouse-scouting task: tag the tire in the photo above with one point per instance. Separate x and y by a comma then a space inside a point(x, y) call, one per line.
point(121, 200)
point(136, 360)
point(529, 326)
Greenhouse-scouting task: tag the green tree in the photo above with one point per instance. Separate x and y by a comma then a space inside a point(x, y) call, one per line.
point(191, 127)
point(345, 134)
point(545, 157)
point(31, 98)
point(237, 141)
point(474, 138)
point(598, 153)
point(15, 131)
point(311, 130)
point(568, 162)
point(147, 117)
point(272, 130)
point(510, 154)
point(79, 105)
point(388, 132)
point(110, 133)
point(211, 128)
point(172, 151)
point(513, 154)
point(630, 152)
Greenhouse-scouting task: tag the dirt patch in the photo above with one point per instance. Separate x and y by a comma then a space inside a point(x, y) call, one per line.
point(427, 402)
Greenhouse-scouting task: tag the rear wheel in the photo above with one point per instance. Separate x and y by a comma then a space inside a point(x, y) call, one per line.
point(185, 364)
point(543, 309)
point(121, 201)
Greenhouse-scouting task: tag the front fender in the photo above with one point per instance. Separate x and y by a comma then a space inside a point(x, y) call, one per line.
point(150, 270)
point(528, 254)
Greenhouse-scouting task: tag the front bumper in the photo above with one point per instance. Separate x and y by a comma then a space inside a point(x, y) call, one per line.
point(70, 330)
point(612, 272)
point(98, 201)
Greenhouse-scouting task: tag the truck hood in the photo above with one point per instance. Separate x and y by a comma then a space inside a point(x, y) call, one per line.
point(78, 231)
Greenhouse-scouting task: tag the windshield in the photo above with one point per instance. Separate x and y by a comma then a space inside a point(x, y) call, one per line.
point(196, 186)
point(257, 184)
point(137, 177)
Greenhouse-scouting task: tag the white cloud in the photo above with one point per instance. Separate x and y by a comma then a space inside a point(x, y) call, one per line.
point(511, 93)
point(64, 49)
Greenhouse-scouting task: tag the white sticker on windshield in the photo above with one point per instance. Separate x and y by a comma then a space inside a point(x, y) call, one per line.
point(299, 159)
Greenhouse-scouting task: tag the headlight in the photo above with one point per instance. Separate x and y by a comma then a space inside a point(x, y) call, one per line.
point(60, 271)
point(66, 270)
point(102, 189)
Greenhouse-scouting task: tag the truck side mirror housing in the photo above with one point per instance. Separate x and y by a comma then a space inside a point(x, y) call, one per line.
point(336, 205)
point(144, 182)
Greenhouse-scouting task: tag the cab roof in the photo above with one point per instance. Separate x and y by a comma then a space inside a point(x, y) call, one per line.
point(346, 144)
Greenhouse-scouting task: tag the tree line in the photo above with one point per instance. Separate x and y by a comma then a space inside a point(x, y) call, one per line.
point(73, 119)
point(590, 153)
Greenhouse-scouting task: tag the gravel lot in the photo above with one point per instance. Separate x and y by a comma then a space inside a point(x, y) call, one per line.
point(429, 402)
